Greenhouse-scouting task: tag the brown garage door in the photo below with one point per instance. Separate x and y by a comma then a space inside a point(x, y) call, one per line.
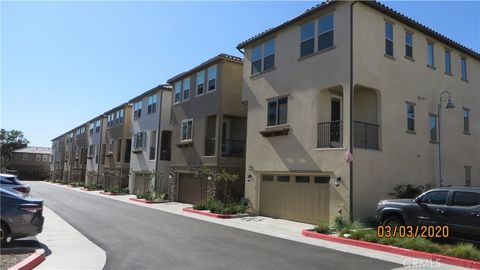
point(191, 189)
point(300, 198)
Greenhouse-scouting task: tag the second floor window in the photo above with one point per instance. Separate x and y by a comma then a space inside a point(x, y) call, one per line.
point(152, 104)
point(448, 62)
point(325, 32)
point(212, 78)
point(389, 39)
point(430, 55)
point(263, 57)
point(186, 89)
point(277, 112)
point(410, 117)
point(97, 126)
point(466, 120)
point(433, 128)
point(25, 157)
point(137, 110)
point(200, 82)
point(140, 139)
point(307, 39)
point(463, 66)
point(178, 92)
point(187, 130)
point(409, 44)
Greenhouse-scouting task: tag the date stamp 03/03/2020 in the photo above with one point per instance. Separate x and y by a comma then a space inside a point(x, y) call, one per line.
point(413, 231)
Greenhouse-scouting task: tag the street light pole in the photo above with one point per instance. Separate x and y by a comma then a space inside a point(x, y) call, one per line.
point(448, 106)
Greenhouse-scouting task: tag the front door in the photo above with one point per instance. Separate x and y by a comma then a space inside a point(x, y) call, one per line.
point(336, 124)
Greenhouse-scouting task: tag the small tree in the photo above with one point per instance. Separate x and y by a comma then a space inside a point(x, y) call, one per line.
point(9, 141)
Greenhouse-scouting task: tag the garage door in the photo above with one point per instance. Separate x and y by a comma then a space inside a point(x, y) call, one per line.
point(300, 198)
point(191, 189)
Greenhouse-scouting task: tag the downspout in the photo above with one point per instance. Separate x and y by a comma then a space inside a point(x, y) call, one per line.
point(157, 147)
point(240, 50)
point(351, 108)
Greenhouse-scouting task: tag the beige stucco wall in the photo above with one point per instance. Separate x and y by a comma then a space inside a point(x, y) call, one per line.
point(408, 157)
point(307, 83)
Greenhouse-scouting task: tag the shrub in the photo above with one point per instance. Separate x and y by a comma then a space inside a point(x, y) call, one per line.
point(465, 251)
point(322, 227)
point(343, 226)
point(217, 207)
point(202, 205)
point(409, 191)
point(365, 235)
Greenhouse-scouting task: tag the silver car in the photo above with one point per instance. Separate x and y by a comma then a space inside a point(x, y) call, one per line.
point(11, 183)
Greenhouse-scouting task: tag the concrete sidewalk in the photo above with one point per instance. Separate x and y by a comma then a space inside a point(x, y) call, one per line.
point(67, 248)
point(280, 228)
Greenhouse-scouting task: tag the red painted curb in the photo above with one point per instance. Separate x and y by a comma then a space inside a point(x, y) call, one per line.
point(395, 250)
point(142, 200)
point(208, 214)
point(108, 193)
point(31, 261)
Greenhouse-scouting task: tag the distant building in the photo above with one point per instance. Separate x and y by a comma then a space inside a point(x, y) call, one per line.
point(32, 162)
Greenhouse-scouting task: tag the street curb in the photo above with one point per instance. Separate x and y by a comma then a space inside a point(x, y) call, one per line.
point(395, 250)
point(108, 193)
point(143, 200)
point(31, 261)
point(208, 214)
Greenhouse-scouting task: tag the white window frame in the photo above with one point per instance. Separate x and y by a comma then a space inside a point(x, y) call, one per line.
point(177, 89)
point(463, 69)
point(38, 157)
point(432, 44)
point(137, 109)
point(197, 83)
point(25, 156)
point(214, 76)
point(45, 158)
point(186, 86)
point(141, 144)
point(185, 122)
point(152, 102)
point(449, 66)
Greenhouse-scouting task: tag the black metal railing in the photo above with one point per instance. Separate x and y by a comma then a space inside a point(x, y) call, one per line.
point(366, 135)
point(210, 147)
point(233, 148)
point(330, 134)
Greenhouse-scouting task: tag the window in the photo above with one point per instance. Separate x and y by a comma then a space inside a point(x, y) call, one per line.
point(186, 89)
point(277, 112)
point(448, 62)
point(463, 198)
point(166, 148)
point(120, 120)
point(466, 120)
point(263, 53)
point(463, 66)
point(110, 120)
point(267, 178)
point(389, 39)
point(200, 82)
point(153, 145)
point(92, 127)
point(307, 39)
point(38, 157)
point(97, 126)
point(25, 156)
point(91, 149)
point(140, 139)
point(117, 117)
point(110, 146)
point(119, 150)
point(128, 149)
point(178, 92)
point(137, 110)
point(97, 149)
point(325, 32)
point(433, 127)
point(409, 44)
point(302, 179)
point(322, 179)
point(410, 117)
point(212, 78)
point(45, 157)
point(435, 197)
point(283, 178)
point(152, 104)
point(430, 55)
point(468, 176)
point(187, 130)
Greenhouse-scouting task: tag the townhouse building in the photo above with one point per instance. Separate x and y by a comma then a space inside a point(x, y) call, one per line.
point(116, 149)
point(345, 101)
point(209, 127)
point(96, 137)
point(58, 157)
point(151, 144)
point(32, 162)
point(78, 155)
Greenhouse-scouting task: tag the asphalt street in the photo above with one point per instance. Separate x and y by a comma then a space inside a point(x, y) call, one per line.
point(136, 237)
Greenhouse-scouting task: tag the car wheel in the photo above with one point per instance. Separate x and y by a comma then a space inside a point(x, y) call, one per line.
point(393, 221)
point(3, 234)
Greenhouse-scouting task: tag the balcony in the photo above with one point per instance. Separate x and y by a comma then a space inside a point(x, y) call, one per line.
point(330, 134)
point(366, 135)
point(233, 148)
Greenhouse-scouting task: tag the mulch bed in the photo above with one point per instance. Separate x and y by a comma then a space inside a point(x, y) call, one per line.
point(11, 256)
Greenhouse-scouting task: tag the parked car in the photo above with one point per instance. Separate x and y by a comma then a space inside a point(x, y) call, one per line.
point(19, 216)
point(10, 182)
point(456, 207)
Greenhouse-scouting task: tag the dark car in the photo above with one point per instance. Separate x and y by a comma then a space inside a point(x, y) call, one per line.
point(10, 182)
point(456, 207)
point(20, 216)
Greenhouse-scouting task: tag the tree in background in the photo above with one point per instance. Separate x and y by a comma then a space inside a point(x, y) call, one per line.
point(10, 140)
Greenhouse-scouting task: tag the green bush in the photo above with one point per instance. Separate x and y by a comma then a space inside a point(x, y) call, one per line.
point(365, 235)
point(323, 227)
point(409, 191)
point(217, 207)
point(465, 251)
point(344, 226)
point(153, 196)
point(202, 205)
